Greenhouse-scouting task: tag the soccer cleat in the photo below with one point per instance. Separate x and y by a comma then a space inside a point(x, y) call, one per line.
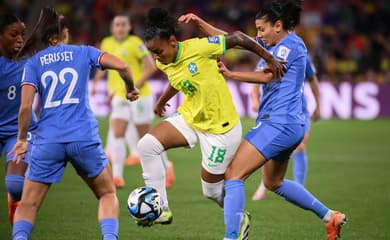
point(119, 182)
point(165, 218)
point(244, 231)
point(333, 227)
point(11, 209)
point(170, 175)
point(133, 160)
point(261, 193)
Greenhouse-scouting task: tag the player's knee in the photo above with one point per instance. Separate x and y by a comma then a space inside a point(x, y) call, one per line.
point(214, 191)
point(272, 185)
point(14, 185)
point(149, 145)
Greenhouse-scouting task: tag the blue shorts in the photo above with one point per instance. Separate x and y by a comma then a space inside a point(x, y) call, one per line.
point(275, 141)
point(9, 143)
point(48, 161)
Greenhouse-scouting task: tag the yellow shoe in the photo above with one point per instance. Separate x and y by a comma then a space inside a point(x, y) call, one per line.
point(244, 231)
point(333, 227)
point(166, 217)
point(133, 160)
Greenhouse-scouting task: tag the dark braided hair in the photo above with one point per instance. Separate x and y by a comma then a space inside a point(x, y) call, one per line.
point(159, 23)
point(288, 11)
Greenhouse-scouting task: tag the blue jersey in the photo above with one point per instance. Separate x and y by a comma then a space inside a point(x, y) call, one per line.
point(60, 74)
point(282, 99)
point(10, 80)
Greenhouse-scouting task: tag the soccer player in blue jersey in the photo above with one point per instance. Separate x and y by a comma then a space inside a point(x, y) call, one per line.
point(279, 126)
point(300, 156)
point(11, 40)
point(67, 130)
point(280, 123)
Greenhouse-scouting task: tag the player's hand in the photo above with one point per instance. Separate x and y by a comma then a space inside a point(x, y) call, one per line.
point(316, 114)
point(133, 94)
point(189, 18)
point(160, 109)
point(20, 149)
point(277, 68)
point(223, 69)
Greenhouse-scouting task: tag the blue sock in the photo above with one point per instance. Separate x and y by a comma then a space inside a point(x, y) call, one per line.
point(234, 202)
point(298, 195)
point(300, 167)
point(21, 230)
point(14, 185)
point(110, 227)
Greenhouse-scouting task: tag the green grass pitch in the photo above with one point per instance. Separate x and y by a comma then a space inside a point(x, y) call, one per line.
point(349, 170)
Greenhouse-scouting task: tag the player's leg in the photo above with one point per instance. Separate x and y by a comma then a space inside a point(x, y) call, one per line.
point(292, 191)
point(108, 211)
point(14, 177)
point(300, 161)
point(26, 212)
point(92, 165)
point(217, 152)
point(246, 161)
point(171, 133)
point(132, 139)
point(109, 140)
point(261, 191)
point(46, 166)
point(120, 117)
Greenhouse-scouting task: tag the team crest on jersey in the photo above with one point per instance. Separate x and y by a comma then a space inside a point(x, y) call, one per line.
point(142, 48)
point(283, 52)
point(214, 40)
point(123, 52)
point(193, 69)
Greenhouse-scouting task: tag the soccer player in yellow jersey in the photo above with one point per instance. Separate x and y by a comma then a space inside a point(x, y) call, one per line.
point(207, 116)
point(131, 49)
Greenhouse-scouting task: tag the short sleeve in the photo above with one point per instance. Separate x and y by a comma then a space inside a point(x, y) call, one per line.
point(212, 46)
point(30, 75)
point(94, 56)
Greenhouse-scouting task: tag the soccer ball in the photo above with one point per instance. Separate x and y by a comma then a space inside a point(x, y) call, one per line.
point(144, 203)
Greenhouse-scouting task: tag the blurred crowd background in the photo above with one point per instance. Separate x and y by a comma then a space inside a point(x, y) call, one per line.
point(349, 40)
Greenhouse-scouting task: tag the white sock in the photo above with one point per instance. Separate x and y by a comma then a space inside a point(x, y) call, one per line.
point(150, 150)
point(214, 191)
point(328, 216)
point(165, 160)
point(132, 139)
point(118, 153)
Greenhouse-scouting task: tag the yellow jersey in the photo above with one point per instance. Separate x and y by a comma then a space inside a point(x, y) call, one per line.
point(132, 51)
point(208, 104)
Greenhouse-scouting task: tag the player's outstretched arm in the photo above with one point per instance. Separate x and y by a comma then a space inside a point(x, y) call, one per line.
point(204, 26)
point(238, 38)
point(315, 88)
point(24, 118)
point(110, 61)
point(161, 104)
point(250, 77)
